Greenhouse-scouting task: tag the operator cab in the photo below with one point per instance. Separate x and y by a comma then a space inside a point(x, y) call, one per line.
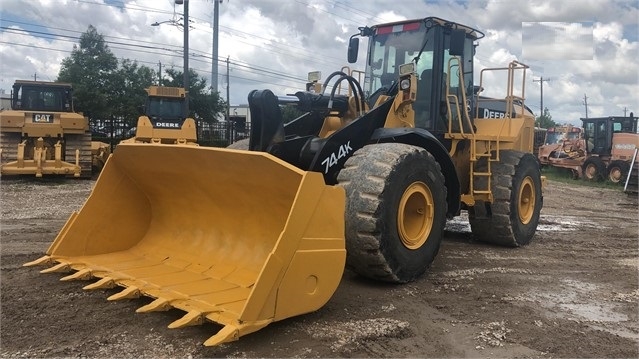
point(165, 107)
point(42, 96)
point(430, 43)
point(598, 131)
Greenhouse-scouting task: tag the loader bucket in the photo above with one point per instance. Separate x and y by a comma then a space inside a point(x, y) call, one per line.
point(234, 237)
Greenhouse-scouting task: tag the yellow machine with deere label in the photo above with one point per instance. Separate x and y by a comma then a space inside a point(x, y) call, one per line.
point(262, 231)
point(163, 120)
point(42, 134)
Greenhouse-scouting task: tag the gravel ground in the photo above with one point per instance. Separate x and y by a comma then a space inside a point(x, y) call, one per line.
point(573, 292)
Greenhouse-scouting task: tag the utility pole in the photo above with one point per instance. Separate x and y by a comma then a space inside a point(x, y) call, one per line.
point(586, 104)
point(35, 76)
point(625, 110)
point(159, 73)
point(216, 18)
point(541, 83)
point(186, 57)
point(228, 86)
point(186, 54)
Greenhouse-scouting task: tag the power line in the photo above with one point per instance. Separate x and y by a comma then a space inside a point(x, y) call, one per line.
point(311, 57)
point(138, 47)
point(179, 67)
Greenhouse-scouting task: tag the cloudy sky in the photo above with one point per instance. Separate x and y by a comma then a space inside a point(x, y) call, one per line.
point(585, 51)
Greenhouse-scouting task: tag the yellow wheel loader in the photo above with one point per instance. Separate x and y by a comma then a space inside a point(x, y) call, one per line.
point(42, 135)
point(262, 231)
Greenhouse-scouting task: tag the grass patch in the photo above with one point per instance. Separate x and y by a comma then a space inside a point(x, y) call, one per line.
point(564, 175)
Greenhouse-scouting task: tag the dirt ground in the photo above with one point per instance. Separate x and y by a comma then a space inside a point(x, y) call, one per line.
point(573, 292)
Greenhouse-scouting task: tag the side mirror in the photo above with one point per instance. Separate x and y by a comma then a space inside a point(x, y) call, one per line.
point(353, 49)
point(457, 40)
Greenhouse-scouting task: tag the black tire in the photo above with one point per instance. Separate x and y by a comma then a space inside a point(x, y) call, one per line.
point(517, 200)
point(594, 169)
point(618, 171)
point(395, 211)
point(242, 144)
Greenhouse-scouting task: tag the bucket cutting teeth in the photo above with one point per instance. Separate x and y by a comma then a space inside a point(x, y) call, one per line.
point(227, 334)
point(83, 274)
point(158, 305)
point(58, 268)
point(45, 260)
point(189, 319)
point(104, 283)
point(128, 293)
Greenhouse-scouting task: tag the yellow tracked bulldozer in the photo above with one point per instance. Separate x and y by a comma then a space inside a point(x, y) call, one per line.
point(42, 135)
point(262, 230)
point(162, 120)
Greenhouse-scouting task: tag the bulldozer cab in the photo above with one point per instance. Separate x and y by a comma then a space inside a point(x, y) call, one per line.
point(164, 106)
point(163, 118)
point(42, 96)
point(430, 43)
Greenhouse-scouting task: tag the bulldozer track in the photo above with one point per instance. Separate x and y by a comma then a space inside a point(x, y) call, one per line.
point(9, 143)
point(83, 143)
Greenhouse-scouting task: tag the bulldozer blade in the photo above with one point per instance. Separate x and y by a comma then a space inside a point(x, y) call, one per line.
point(239, 238)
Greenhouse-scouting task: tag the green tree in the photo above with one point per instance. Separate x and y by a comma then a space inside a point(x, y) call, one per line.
point(204, 105)
point(89, 69)
point(127, 90)
point(545, 120)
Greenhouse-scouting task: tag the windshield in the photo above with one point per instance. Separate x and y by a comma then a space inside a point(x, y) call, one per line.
point(164, 108)
point(39, 98)
point(559, 137)
point(390, 49)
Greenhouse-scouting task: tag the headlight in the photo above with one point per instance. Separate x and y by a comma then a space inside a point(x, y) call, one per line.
point(405, 84)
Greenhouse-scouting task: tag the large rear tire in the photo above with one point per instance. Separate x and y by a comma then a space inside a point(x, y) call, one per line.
point(618, 171)
point(395, 211)
point(594, 169)
point(517, 200)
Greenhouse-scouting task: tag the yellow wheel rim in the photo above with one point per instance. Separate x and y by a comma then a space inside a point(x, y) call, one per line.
point(415, 215)
point(591, 171)
point(615, 175)
point(526, 206)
